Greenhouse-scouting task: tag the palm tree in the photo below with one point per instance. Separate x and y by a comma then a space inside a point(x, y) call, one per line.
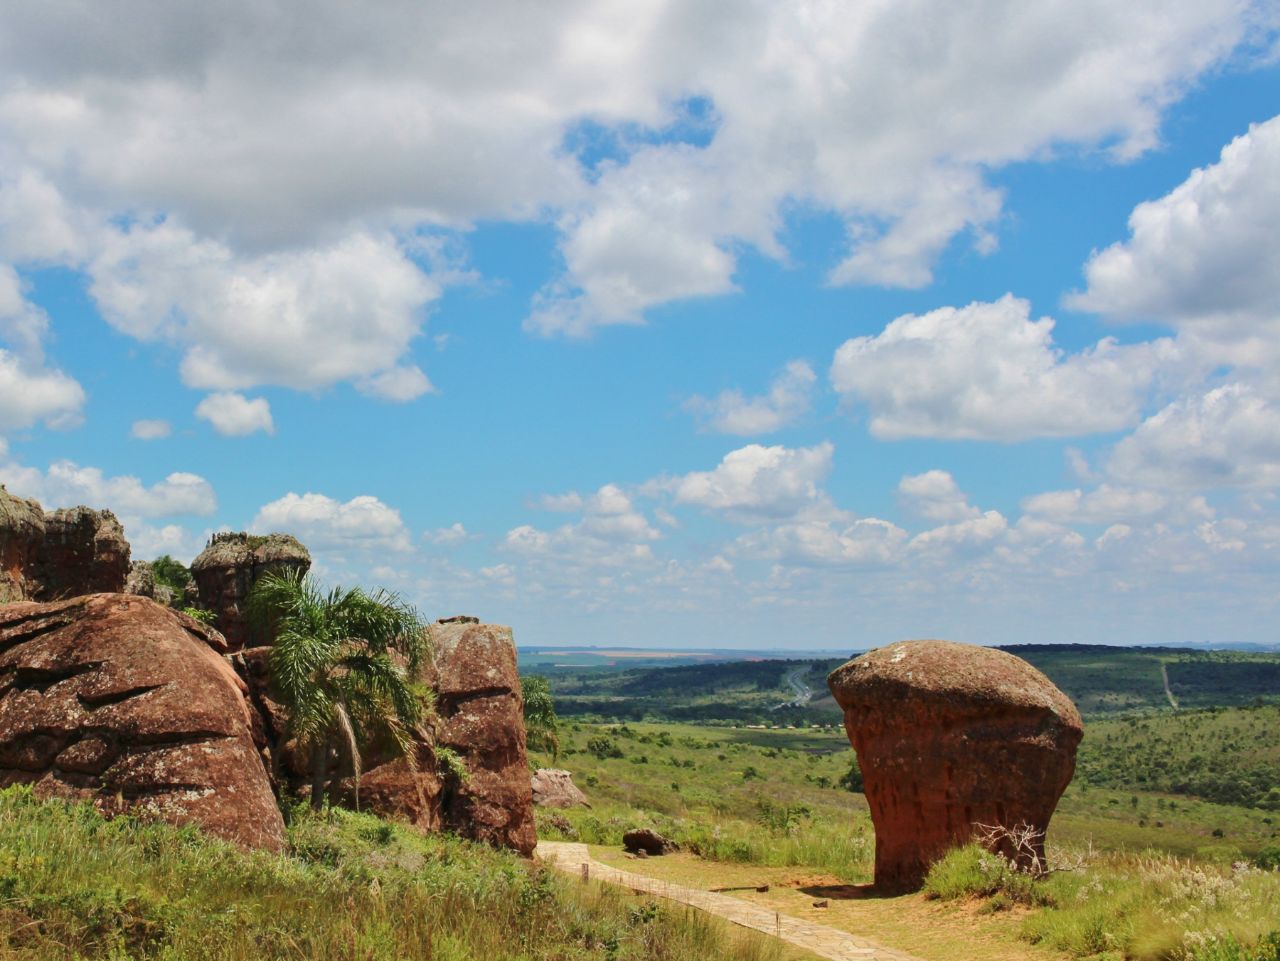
point(540, 722)
point(343, 664)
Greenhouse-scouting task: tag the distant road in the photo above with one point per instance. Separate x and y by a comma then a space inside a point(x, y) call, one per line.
point(1164, 674)
point(804, 693)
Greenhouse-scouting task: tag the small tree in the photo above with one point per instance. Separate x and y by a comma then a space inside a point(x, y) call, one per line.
point(342, 663)
point(540, 722)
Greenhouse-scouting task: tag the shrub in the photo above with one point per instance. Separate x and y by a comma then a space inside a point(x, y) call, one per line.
point(603, 747)
point(974, 872)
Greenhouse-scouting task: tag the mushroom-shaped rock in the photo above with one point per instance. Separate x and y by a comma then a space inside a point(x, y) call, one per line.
point(115, 699)
point(554, 788)
point(227, 569)
point(482, 720)
point(951, 737)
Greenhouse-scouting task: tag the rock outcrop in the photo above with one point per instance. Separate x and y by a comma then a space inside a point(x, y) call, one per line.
point(949, 737)
point(481, 719)
point(61, 554)
point(21, 539)
point(225, 573)
point(554, 788)
point(648, 842)
point(116, 699)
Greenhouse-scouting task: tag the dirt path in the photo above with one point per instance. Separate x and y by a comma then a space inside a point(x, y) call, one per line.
point(1164, 674)
point(822, 940)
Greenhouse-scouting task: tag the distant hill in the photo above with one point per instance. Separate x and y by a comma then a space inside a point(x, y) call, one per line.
point(1102, 680)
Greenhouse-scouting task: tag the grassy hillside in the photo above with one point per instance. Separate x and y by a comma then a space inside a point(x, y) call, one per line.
point(73, 886)
point(1101, 680)
point(1164, 876)
point(1231, 756)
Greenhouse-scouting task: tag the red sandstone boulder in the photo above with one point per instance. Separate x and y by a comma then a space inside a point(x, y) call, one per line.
point(84, 552)
point(61, 554)
point(225, 573)
point(21, 537)
point(482, 719)
point(949, 737)
point(116, 699)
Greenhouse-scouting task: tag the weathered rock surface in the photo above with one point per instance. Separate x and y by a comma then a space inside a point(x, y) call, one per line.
point(647, 841)
point(84, 552)
point(141, 580)
point(61, 554)
point(554, 788)
point(21, 537)
point(116, 699)
point(950, 736)
point(225, 573)
point(482, 719)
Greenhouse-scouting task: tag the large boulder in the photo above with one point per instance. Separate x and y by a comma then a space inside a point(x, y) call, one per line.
point(61, 554)
point(481, 715)
point(554, 788)
point(118, 700)
point(21, 538)
point(226, 571)
point(953, 739)
point(84, 552)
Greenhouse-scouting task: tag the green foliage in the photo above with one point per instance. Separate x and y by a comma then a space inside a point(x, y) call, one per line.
point(851, 780)
point(343, 663)
point(1268, 858)
point(540, 722)
point(1226, 756)
point(974, 872)
point(74, 887)
point(171, 573)
point(451, 763)
point(603, 747)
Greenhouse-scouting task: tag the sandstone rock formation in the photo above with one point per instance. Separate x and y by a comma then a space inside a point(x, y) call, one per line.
point(647, 841)
point(950, 736)
point(225, 573)
point(554, 788)
point(482, 720)
point(21, 538)
point(84, 552)
point(116, 699)
point(61, 554)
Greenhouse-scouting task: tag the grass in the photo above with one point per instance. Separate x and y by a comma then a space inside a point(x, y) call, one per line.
point(1147, 908)
point(75, 886)
point(1165, 866)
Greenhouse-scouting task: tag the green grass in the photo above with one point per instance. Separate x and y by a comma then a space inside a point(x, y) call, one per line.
point(75, 886)
point(1133, 908)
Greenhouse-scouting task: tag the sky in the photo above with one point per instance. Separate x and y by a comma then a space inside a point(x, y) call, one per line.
point(677, 324)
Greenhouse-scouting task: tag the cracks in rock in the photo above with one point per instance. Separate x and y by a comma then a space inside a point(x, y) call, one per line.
point(44, 624)
point(93, 702)
point(451, 704)
point(41, 678)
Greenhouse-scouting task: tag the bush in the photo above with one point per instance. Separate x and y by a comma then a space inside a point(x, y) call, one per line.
point(974, 872)
point(603, 747)
point(1268, 858)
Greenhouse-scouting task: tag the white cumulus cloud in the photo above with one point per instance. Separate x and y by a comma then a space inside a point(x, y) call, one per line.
point(1206, 256)
point(323, 523)
point(235, 415)
point(732, 412)
point(150, 429)
point(756, 480)
point(989, 372)
point(67, 484)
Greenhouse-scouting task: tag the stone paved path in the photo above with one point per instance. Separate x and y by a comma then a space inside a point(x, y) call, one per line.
point(819, 938)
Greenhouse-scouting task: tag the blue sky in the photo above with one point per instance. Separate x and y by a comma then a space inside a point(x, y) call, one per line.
point(679, 324)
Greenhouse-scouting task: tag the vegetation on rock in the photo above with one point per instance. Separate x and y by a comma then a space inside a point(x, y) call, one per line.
point(343, 663)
